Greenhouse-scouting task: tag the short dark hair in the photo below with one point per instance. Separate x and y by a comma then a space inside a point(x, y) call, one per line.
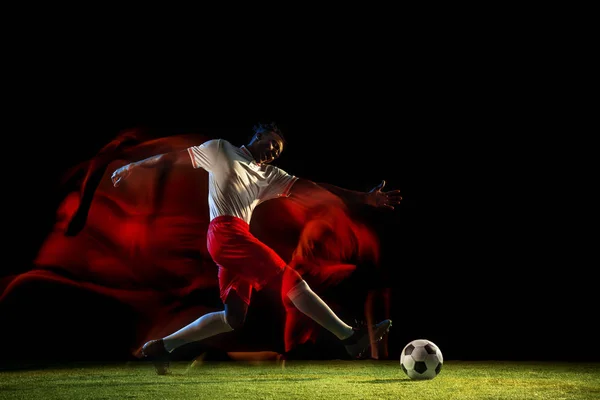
point(269, 127)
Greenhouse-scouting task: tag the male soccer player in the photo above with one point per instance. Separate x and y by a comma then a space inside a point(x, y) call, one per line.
point(240, 178)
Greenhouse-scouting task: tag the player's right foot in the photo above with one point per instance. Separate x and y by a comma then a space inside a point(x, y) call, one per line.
point(359, 342)
point(155, 351)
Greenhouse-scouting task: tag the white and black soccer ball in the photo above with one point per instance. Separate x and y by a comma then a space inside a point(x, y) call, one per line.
point(421, 359)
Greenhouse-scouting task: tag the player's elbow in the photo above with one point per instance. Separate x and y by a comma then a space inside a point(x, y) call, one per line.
point(181, 157)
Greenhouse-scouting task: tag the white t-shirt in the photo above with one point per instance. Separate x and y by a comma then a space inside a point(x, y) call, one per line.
point(236, 183)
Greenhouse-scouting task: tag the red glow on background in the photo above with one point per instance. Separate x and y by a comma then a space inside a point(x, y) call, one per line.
point(144, 242)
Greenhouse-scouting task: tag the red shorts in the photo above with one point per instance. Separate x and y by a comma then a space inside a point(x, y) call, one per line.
point(244, 261)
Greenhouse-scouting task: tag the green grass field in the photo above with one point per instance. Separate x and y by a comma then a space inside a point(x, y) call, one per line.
point(337, 380)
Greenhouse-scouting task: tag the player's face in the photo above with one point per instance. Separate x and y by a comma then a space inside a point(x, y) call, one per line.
point(269, 147)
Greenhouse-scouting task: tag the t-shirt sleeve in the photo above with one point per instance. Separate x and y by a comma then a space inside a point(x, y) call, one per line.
point(205, 155)
point(280, 183)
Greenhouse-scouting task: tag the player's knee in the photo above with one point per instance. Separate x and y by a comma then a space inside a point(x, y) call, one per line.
point(235, 311)
point(235, 320)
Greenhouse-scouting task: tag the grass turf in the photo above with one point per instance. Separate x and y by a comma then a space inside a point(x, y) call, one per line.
point(339, 380)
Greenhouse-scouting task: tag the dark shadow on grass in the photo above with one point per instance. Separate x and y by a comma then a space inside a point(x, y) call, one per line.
point(53, 385)
point(386, 381)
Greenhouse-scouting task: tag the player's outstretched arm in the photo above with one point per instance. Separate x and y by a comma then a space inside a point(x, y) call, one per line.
point(158, 161)
point(376, 197)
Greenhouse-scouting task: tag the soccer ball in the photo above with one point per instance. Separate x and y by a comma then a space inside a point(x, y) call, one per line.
point(421, 359)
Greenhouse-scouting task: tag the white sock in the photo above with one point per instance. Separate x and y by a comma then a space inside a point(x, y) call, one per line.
point(310, 304)
point(206, 326)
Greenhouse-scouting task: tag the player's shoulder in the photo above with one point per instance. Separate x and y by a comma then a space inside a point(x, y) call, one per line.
point(226, 143)
point(229, 148)
point(212, 142)
point(215, 144)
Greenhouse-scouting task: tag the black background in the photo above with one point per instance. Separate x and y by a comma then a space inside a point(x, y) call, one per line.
point(482, 255)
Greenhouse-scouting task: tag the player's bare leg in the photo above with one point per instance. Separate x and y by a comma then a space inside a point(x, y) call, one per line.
point(211, 324)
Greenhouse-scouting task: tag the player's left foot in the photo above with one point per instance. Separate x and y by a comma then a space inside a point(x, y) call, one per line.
point(155, 351)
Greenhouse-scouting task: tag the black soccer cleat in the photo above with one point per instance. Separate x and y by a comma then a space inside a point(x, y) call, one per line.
point(155, 351)
point(357, 344)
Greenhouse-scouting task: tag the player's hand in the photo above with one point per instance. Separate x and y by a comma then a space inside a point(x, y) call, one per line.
point(377, 198)
point(120, 174)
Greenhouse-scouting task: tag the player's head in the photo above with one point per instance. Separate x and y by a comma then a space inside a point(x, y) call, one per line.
point(267, 143)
